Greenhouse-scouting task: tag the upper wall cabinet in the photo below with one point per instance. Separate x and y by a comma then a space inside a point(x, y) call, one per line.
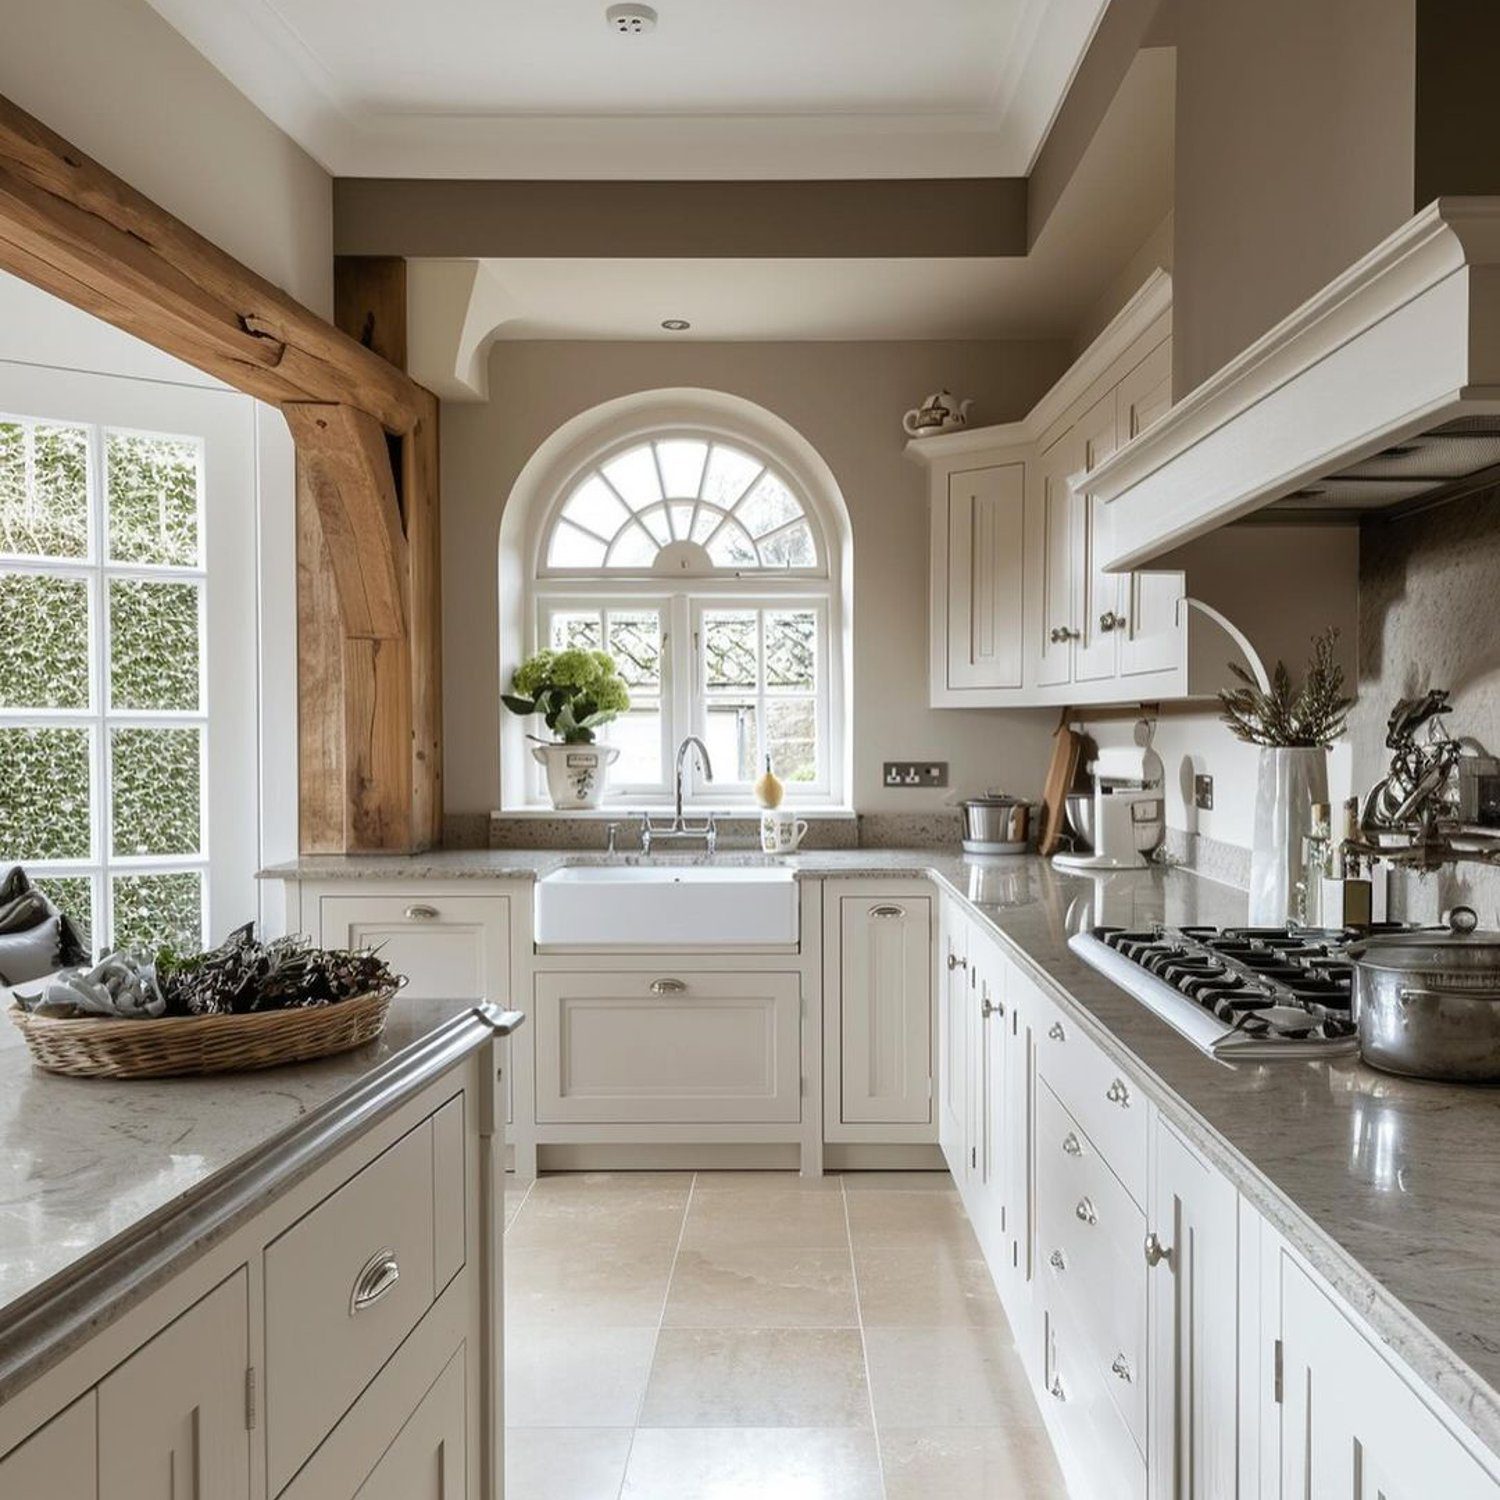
point(1027, 606)
point(1022, 611)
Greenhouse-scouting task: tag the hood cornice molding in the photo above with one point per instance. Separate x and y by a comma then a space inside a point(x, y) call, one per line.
point(1406, 339)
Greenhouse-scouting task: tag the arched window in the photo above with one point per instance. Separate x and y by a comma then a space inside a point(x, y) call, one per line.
point(705, 562)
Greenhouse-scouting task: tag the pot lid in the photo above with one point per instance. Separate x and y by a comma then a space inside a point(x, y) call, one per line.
point(1462, 944)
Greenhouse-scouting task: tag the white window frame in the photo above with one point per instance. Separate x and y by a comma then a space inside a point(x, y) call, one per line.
point(219, 423)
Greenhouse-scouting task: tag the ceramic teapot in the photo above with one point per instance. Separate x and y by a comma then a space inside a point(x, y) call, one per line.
point(940, 412)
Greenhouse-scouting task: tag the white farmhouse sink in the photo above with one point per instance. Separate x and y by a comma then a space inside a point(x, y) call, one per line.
point(666, 906)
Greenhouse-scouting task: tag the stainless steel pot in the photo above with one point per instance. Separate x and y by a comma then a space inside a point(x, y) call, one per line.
point(1427, 1004)
point(996, 824)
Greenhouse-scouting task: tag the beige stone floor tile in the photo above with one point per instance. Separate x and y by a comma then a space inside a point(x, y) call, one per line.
point(605, 1220)
point(976, 1463)
point(947, 1377)
point(882, 1217)
point(925, 1286)
point(576, 1377)
point(778, 1377)
point(769, 1219)
point(753, 1463)
point(725, 1287)
point(555, 1463)
point(898, 1182)
point(600, 1287)
point(760, 1182)
point(593, 1183)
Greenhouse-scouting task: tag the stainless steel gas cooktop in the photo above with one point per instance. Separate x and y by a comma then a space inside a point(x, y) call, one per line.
point(1236, 992)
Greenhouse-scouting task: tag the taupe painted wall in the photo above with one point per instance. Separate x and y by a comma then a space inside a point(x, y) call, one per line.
point(116, 80)
point(847, 400)
point(1295, 142)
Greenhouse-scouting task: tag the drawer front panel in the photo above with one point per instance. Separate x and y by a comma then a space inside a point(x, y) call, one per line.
point(1091, 1237)
point(1101, 1096)
point(344, 1286)
point(643, 1048)
point(1099, 1444)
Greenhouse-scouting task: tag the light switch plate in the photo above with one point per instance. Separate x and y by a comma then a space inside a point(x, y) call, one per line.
point(1203, 793)
point(914, 773)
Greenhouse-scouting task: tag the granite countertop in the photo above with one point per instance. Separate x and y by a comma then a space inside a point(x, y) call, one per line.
point(89, 1167)
point(1387, 1185)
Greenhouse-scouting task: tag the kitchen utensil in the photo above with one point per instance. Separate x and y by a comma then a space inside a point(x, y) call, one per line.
point(1067, 750)
point(1427, 1003)
point(1128, 815)
point(1079, 807)
point(996, 824)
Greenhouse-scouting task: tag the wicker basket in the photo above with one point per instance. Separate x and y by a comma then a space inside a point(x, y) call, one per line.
point(105, 1047)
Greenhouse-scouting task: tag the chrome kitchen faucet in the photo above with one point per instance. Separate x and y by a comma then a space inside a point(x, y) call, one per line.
point(679, 828)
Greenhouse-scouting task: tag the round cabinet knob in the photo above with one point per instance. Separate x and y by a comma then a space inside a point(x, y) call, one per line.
point(1056, 1032)
point(955, 962)
point(1109, 620)
point(1121, 1367)
point(988, 1008)
point(1071, 1145)
point(1118, 1093)
point(1054, 635)
point(1156, 1252)
point(1086, 1212)
point(1058, 1261)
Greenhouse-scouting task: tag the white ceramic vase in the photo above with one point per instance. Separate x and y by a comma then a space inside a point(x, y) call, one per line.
point(576, 774)
point(1290, 780)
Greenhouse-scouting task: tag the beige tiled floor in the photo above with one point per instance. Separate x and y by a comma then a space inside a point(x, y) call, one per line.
point(749, 1336)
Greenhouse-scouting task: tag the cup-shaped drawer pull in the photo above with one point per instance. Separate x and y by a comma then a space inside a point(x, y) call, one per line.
point(420, 911)
point(376, 1277)
point(1118, 1093)
point(1056, 1032)
point(668, 987)
point(887, 911)
point(1071, 1145)
point(1086, 1211)
point(1121, 1367)
point(1058, 1261)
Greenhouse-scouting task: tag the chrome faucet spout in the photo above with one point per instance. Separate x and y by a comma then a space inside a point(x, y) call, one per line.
point(692, 742)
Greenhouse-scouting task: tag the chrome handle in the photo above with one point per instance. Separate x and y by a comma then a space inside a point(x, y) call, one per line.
point(1085, 1211)
point(988, 1007)
point(1058, 1261)
point(376, 1277)
point(1156, 1252)
point(955, 962)
point(887, 911)
point(1056, 1032)
point(1118, 1093)
point(1121, 1368)
point(668, 987)
point(1109, 620)
point(1062, 634)
point(1071, 1145)
point(1054, 635)
point(1056, 1388)
point(418, 912)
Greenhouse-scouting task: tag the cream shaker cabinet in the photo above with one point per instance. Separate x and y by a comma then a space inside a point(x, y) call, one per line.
point(426, 1459)
point(980, 642)
point(173, 1419)
point(61, 1462)
point(954, 1042)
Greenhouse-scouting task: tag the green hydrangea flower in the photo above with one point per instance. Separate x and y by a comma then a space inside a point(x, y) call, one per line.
point(574, 669)
point(611, 696)
point(531, 676)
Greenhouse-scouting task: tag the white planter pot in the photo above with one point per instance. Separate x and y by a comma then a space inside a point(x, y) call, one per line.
point(576, 774)
point(1290, 780)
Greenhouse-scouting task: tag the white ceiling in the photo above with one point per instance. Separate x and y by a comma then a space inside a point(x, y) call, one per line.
point(721, 88)
point(1119, 195)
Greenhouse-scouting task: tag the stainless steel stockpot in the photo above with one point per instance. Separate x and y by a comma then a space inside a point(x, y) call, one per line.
point(996, 822)
point(1427, 1004)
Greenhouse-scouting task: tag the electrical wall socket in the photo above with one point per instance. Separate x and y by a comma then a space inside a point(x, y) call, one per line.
point(1203, 793)
point(915, 773)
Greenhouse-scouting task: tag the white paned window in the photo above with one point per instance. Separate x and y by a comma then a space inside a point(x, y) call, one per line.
point(700, 565)
point(103, 709)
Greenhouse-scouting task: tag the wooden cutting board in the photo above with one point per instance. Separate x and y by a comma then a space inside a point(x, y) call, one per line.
point(1067, 748)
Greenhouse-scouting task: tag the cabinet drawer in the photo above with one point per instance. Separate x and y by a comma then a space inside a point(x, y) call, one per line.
point(1099, 1095)
point(1098, 1442)
point(656, 1049)
point(1091, 1236)
point(349, 1281)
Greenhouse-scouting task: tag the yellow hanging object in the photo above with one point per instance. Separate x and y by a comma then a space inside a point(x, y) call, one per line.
point(768, 788)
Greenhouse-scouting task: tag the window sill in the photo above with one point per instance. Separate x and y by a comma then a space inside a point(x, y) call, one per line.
point(618, 812)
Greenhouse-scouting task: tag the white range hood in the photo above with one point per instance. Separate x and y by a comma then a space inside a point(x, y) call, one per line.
point(1381, 391)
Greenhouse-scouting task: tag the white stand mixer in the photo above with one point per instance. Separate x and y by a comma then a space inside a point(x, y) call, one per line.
point(1129, 812)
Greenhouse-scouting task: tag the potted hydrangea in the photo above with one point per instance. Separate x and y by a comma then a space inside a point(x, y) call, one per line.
point(575, 691)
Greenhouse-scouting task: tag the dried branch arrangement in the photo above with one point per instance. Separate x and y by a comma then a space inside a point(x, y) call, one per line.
point(1315, 713)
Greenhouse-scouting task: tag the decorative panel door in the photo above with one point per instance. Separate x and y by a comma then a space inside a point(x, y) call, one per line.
point(1054, 619)
point(885, 1004)
point(1096, 652)
point(953, 1041)
point(427, 1460)
point(986, 619)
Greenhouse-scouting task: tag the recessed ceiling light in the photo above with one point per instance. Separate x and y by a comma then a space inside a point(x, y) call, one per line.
point(676, 325)
point(631, 20)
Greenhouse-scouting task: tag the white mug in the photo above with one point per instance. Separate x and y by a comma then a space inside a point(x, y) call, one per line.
point(781, 832)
